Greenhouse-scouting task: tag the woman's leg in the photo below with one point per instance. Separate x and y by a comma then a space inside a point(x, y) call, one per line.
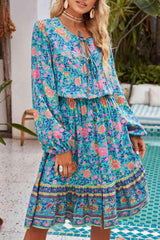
point(98, 233)
point(35, 234)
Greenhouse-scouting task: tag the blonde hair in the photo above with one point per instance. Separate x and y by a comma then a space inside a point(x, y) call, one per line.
point(97, 26)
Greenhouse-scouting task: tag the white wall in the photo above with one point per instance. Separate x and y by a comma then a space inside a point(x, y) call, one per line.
point(23, 14)
point(43, 9)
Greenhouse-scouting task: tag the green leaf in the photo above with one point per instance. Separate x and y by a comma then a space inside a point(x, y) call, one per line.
point(1, 140)
point(113, 23)
point(151, 7)
point(4, 85)
point(20, 127)
point(4, 98)
point(122, 25)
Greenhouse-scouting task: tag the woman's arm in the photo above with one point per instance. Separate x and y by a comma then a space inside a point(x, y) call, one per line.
point(52, 136)
point(133, 125)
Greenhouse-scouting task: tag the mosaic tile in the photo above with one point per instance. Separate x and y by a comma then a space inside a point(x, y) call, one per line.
point(127, 232)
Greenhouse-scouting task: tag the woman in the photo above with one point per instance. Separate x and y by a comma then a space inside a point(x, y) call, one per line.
point(90, 172)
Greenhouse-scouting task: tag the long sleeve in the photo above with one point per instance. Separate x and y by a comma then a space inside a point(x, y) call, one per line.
point(52, 135)
point(133, 125)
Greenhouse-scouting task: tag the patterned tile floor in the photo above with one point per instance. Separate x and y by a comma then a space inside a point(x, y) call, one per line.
point(18, 171)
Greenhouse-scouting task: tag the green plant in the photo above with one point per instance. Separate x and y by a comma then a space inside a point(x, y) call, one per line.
point(130, 30)
point(140, 74)
point(15, 125)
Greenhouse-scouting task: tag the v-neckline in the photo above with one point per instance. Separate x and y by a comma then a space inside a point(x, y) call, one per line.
point(86, 39)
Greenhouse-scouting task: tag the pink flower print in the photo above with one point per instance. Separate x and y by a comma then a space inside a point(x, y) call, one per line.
point(36, 73)
point(123, 200)
point(108, 224)
point(134, 211)
point(33, 51)
point(87, 173)
point(54, 182)
point(120, 100)
point(36, 222)
point(115, 164)
point(57, 134)
point(46, 224)
point(97, 221)
point(81, 205)
point(61, 31)
point(137, 164)
point(131, 165)
point(49, 205)
point(88, 219)
point(102, 129)
point(76, 66)
point(83, 110)
point(77, 81)
point(139, 192)
point(103, 101)
point(49, 92)
point(118, 136)
point(41, 25)
point(107, 209)
point(36, 115)
point(100, 84)
point(48, 114)
point(79, 221)
point(103, 151)
point(124, 213)
point(94, 208)
point(77, 50)
point(93, 46)
point(68, 38)
point(119, 127)
point(84, 132)
point(72, 104)
point(69, 62)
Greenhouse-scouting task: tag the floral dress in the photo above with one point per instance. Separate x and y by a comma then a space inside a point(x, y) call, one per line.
point(78, 107)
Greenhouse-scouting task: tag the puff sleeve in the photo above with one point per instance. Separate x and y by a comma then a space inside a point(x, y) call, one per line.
point(133, 125)
point(52, 136)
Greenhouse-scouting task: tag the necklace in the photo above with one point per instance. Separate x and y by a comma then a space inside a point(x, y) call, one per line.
point(76, 19)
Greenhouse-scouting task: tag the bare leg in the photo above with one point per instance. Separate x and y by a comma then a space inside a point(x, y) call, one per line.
point(98, 233)
point(35, 234)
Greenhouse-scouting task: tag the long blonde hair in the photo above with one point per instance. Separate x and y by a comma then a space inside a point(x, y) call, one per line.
point(97, 25)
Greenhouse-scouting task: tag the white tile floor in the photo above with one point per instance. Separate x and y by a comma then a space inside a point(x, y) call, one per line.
point(19, 167)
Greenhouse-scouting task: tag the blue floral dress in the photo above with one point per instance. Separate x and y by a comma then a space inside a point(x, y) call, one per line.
point(77, 107)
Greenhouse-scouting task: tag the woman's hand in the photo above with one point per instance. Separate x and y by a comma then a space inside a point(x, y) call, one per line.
point(65, 160)
point(138, 145)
